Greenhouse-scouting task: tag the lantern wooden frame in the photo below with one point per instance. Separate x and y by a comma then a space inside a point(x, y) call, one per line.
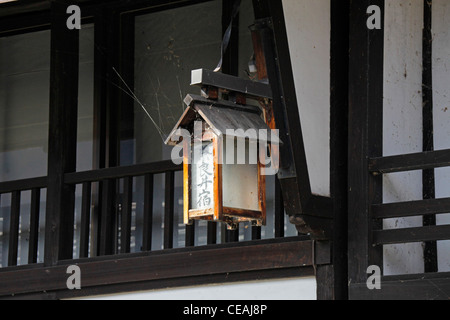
point(214, 117)
point(219, 212)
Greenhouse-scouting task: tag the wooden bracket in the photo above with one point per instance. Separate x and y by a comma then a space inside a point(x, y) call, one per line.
point(311, 214)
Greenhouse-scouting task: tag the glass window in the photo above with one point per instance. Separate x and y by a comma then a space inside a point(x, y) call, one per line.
point(85, 131)
point(24, 112)
point(168, 46)
point(24, 105)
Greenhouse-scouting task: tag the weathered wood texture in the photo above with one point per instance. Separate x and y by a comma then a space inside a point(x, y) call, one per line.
point(417, 287)
point(282, 254)
point(365, 137)
point(62, 136)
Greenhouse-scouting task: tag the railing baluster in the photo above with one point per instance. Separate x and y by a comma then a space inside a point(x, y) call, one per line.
point(212, 233)
point(107, 219)
point(14, 229)
point(2, 238)
point(190, 235)
point(256, 233)
point(169, 210)
point(279, 210)
point(125, 231)
point(85, 219)
point(148, 213)
point(34, 225)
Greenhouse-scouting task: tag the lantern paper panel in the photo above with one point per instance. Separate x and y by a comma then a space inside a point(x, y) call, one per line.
point(202, 176)
point(240, 181)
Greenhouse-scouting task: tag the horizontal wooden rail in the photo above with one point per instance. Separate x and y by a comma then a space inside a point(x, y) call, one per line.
point(23, 185)
point(411, 208)
point(410, 235)
point(424, 286)
point(171, 264)
point(121, 172)
point(410, 162)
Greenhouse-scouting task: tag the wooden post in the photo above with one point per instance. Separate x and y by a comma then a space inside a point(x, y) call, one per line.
point(62, 136)
point(429, 189)
point(365, 138)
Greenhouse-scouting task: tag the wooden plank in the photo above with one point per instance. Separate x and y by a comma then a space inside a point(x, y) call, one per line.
point(23, 185)
point(218, 181)
point(428, 176)
point(256, 232)
point(14, 8)
point(410, 235)
point(108, 219)
point(14, 229)
point(63, 116)
point(5, 226)
point(186, 181)
point(262, 190)
point(339, 86)
point(410, 162)
point(148, 213)
point(417, 287)
point(203, 77)
point(190, 235)
point(365, 136)
point(32, 22)
point(211, 233)
point(279, 211)
point(86, 205)
point(156, 266)
point(411, 208)
point(35, 206)
point(169, 210)
point(122, 172)
point(125, 227)
point(174, 283)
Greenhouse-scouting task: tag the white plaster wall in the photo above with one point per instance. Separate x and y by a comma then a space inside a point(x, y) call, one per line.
point(403, 122)
point(308, 28)
point(286, 289)
point(403, 118)
point(441, 112)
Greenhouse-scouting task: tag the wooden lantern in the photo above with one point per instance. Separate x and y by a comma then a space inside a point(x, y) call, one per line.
point(216, 188)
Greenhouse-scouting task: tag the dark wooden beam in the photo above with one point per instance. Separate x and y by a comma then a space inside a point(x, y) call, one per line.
point(14, 224)
point(416, 287)
point(410, 162)
point(411, 208)
point(410, 235)
point(62, 136)
point(122, 172)
point(270, 37)
point(428, 176)
point(108, 227)
point(35, 206)
point(246, 257)
point(86, 206)
point(365, 137)
point(148, 212)
point(339, 64)
point(169, 210)
point(23, 185)
point(126, 213)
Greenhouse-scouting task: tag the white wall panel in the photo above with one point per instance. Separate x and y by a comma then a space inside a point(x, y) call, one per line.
point(308, 28)
point(403, 122)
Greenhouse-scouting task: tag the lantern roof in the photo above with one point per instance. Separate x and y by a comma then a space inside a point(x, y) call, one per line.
point(224, 118)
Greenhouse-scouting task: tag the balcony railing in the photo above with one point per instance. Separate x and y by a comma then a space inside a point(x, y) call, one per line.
point(105, 212)
point(105, 232)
